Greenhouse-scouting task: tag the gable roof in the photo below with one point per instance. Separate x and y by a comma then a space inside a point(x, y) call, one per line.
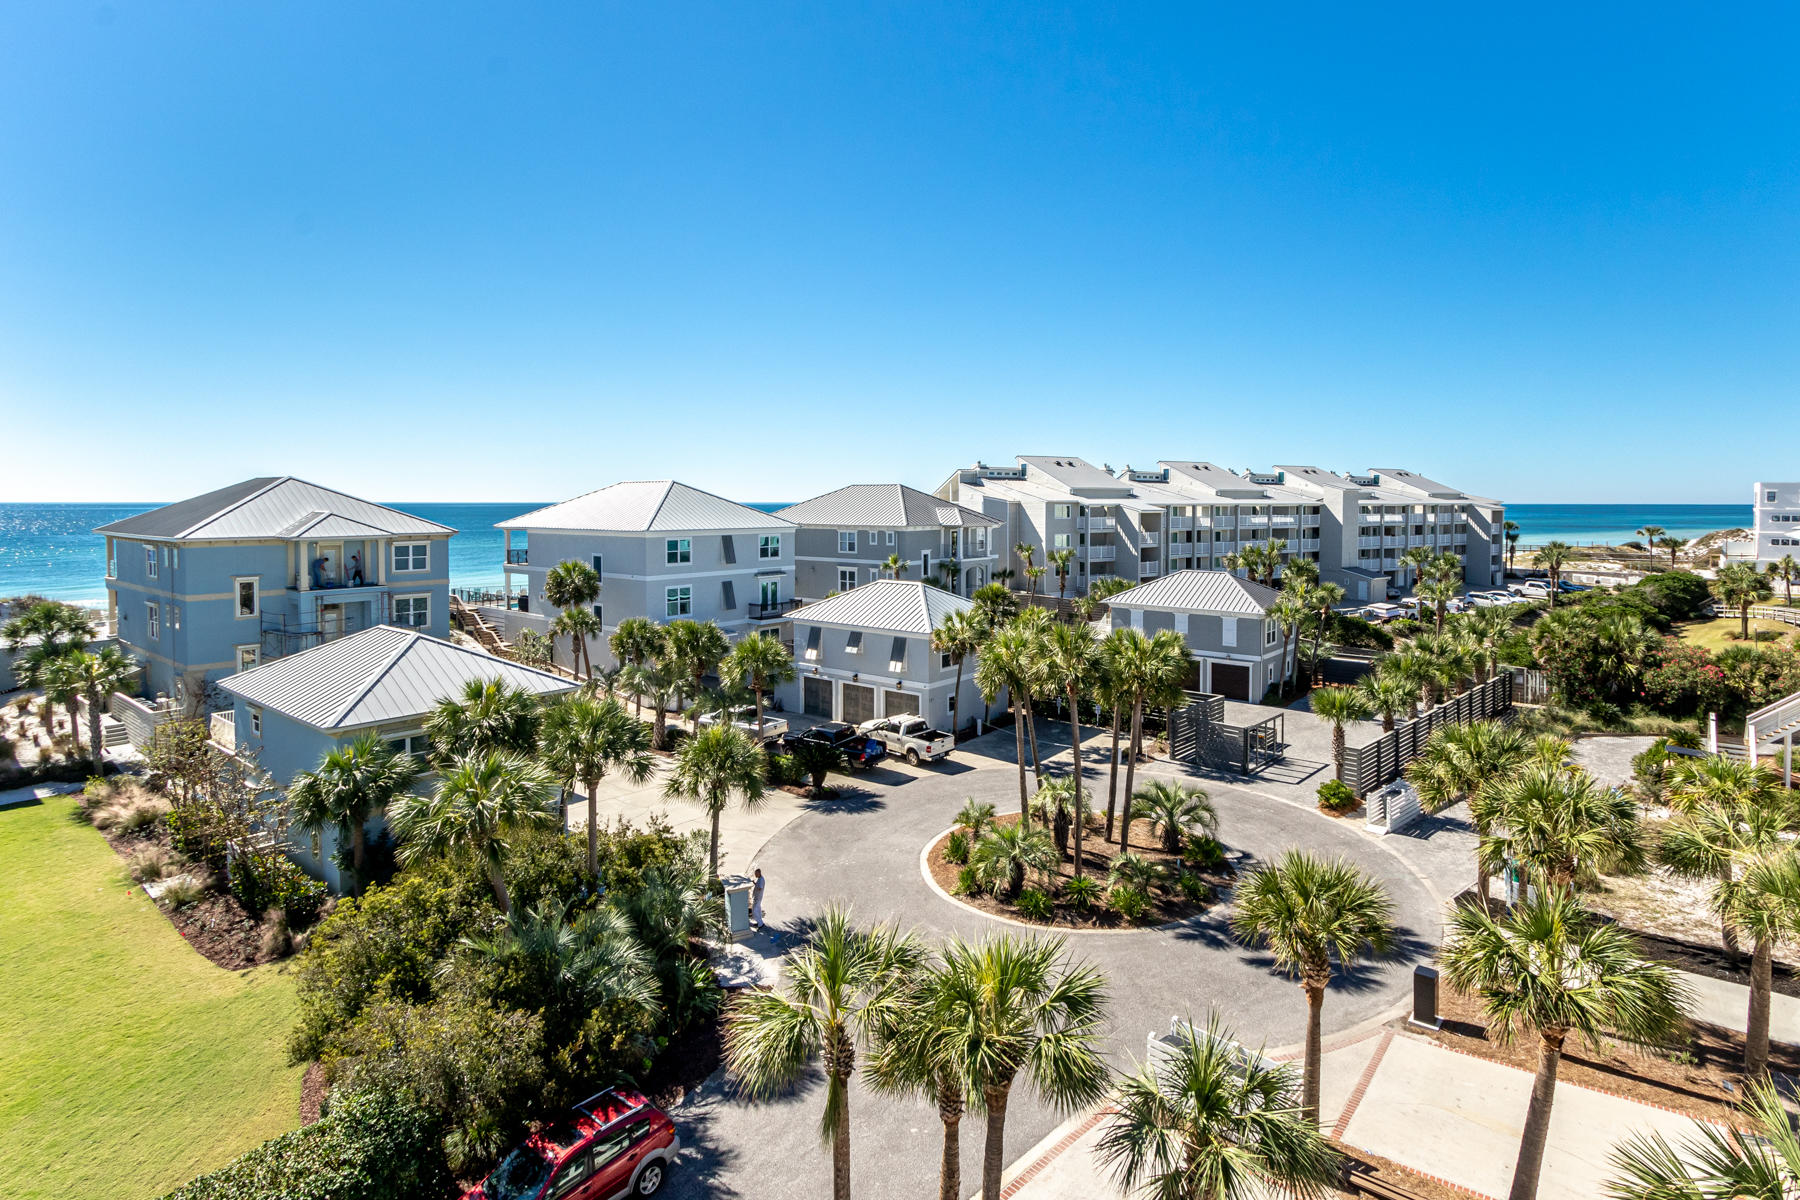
point(889, 605)
point(647, 506)
point(1073, 473)
point(1200, 591)
point(272, 507)
point(377, 675)
point(881, 506)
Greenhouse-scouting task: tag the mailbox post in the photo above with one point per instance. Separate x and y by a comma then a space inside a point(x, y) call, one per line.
point(1425, 999)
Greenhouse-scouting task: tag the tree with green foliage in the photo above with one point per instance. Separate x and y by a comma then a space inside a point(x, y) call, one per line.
point(351, 784)
point(1561, 828)
point(1753, 1159)
point(571, 586)
point(694, 649)
point(1547, 968)
point(1177, 809)
point(1786, 570)
point(487, 716)
point(1552, 556)
point(1004, 853)
point(1338, 706)
point(637, 642)
point(960, 635)
point(1740, 585)
point(1324, 598)
point(1289, 612)
point(1469, 762)
point(1388, 695)
point(711, 767)
point(584, 739)
point(40, 638)
point(1008, 666)
point(761, 663)
point(1071, 663)
point(1149, 672)
point(481, 799)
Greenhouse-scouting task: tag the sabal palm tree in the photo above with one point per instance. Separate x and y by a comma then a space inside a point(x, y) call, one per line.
point(839, 989)
point(1741, 585)
point(761, 663)
point(1438, 593)
point(960, 636)
point(1388, 695)
point(1008, 666)
point(976, 817)
point(1289, 611)
point(1027, 552)
point(40, 638)
point(894, 567)
point(1786, 570)
point(661, 687)
point(1308, 912)
point(1562, 828)
point(578, 625)
point(350, 785)
point(638, 641)
point(96, 675)
point(1021, 1011)
point(1062, 560)
point(572, 965)
point(1674, 545)
point(1209, 1122)
point(1055, 807)
point(995, 605)
point(480, 801)
point(1338, 706)
point(1150, 670)
point(1176, 809)
point(1510, 529)
point(1071, 662)
point(487, 716)
point(1547, 968)
point(1552, 556)
point(573, 585)
point(693, 649)
point(714, 765)
point(1323, 598)
point(1005, 852)
point(918, 1051)
point(1468, 762)
point(1650, 535)
point(584, 739)
point(1719, 1162)
point(1110, 694)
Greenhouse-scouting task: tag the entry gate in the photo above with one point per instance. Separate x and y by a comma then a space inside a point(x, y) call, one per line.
point(1199, 734)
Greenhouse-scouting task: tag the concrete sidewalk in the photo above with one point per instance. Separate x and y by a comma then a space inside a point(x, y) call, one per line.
point(1727, 1005)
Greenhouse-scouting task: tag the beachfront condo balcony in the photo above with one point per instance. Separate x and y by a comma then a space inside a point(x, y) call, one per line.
point(773, 610)
point(1252, 519)
point(1148, 538)
point(519, 557)
point(1095, 524)
point(1181, 522)
point(1102, 553)
point(1149, 569)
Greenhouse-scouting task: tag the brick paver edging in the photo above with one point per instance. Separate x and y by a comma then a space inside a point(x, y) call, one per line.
point(1043, 1161)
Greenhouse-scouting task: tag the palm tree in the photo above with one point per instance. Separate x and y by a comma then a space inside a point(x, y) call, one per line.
point(488, 716)
point(1741, 585)
point(1734, 787)
point(977, 817)
point(840, 988)
point(661, 686)
point(584, 739)
point(1307, 912)
point(1110, 694)
point(1324, 598)
point(1008, 665)
point(1289, 611)
point(918, 1051)
point(1339, 706)
point(39, 639)
point(1388, 695)
point(95, 676)
point(960, 636)
point(1651, 535)
point(571, 966)
point(1071, 662)
point(1176, 809)
point(995, 605)
point(1468, 762)
point(1547, 967)
point(1026, 552)
point(350, 785)
point(711, 766)
point(1017, 1007)
point(694, 648)
point(1674, 546)
point(761, 663)
point(637, 641)
point(578, 625)
point(1438, 593)
point(1150, 671)
point(1551, 556)
point(1562, 828)
point(1731, 1162)
point(573, 585)
point(1510, 529)
point(480, 800)
point(1786, 570)
point(1209, 1122)
point(1062, 560)
point(894, 567)
point(1003, 855)
point(1055, 807)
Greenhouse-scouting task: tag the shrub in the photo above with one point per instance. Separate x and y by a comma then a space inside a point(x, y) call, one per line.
point(198, 830)
point(1035, 904)
point(966, 882)
point(152, 862)
point(1204, 851)
point(627, 851)
point(1354, 631)
point(1193, 889)
point(370, 1146)
point(1650, 770)
point(956, 847)
point(276, 940)
point(185, 890)
point(1128, 901)
point(783, 771)
point(1081, 893)
point(1335, 796)
point(270, 879)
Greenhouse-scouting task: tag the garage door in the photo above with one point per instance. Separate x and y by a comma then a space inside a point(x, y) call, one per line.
point(1231, 680)
point(858, 704)
point(901, 702)
point(816, 697)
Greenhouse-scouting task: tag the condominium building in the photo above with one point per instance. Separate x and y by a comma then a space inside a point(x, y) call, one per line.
point(1776, 531)
point(1140, 523)
point(663, 550)
point(846, 538)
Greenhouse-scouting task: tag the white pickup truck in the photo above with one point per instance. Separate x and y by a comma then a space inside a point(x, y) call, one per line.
point(745, 719)
point(910, 737)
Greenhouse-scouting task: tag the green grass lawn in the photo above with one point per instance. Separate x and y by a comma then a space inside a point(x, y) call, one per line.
point(128, 1063)
point(1721, 632)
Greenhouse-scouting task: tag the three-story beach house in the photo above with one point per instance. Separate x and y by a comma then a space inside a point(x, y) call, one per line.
point(1234, 649)
point(662, 550)
point(210, 586)
point(845, 539)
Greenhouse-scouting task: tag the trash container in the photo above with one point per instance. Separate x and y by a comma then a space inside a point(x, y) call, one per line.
point(737, 906)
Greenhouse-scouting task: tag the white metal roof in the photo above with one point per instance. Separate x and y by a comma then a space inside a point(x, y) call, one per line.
point(282, 507)
point(377, 676)
point(1073, 473)
point(1199, 591)
point(647, 506)
point(887, 605)
point(882, 506)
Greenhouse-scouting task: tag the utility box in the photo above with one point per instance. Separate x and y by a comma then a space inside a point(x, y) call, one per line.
point(1425, 999)
point(737, 906)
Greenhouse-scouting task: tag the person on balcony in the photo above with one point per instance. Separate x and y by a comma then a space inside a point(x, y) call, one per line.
point(319, 566)
point(356, 575)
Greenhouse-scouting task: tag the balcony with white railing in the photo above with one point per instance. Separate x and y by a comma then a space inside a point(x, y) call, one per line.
point(1391, 543)
point(1149, 570)
point(1368, 543)
point(1181, 522)
point(1102, 553)
point(1148, 538)
point(1245, 519)
point(1309, 544)
point(1095, 524)
point(222, 729)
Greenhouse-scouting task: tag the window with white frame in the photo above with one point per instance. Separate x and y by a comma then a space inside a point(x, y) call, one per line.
point(890, 537)
point(248, 656)
point(846, 578)
point(1059, 541)
point(255, 721)
point(811, 653)
point(152, 620)
point(678, 601)
point(411, 556)
point(149, 562)
point(174, 557)
point(678, 551)
point(599, 567)
point(1228, 631)
point(770, 590)
point(846, 541)
point(414, 612)
point(1062, 512)
point(853, 643)
point(768, 546)
point(944, 661)
point(1768, 497)
point(415, 744)
point(248, 591)
point(1270, 629)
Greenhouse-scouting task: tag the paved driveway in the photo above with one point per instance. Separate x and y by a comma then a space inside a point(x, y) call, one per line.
point(864, 851)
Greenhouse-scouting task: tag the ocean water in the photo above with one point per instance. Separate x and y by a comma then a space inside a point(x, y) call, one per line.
point(52, 550)
point(1609, 524)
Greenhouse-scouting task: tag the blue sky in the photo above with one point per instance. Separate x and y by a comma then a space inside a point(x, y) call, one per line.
point(521, 251)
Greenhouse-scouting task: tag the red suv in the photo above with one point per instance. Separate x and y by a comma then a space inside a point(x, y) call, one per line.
point(614, 1144)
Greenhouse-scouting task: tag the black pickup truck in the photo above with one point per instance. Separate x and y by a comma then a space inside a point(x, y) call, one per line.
point(860, 751)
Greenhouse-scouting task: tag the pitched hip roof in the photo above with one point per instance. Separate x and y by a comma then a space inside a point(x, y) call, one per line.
point(376, 676)
point(647, 506)
point(272, 507)
point(887, 605)
point(1200, 591)
point(882, 506)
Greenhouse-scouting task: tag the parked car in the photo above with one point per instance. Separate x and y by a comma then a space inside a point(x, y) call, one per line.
point(745, 719)
point(1493, 599)
point(860, 751)
point(1564, 585)
point(613, 1144)
point(1533, 589)
point(1381, 614)
point(910, 736)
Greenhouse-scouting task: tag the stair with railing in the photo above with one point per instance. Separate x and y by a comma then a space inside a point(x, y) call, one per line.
point(476, 626)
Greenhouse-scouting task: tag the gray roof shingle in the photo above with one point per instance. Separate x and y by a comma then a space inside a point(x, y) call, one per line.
point(881, 506)
point(377, 676)
point(647, 506)
point(272, 507)
point(1199, 591)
